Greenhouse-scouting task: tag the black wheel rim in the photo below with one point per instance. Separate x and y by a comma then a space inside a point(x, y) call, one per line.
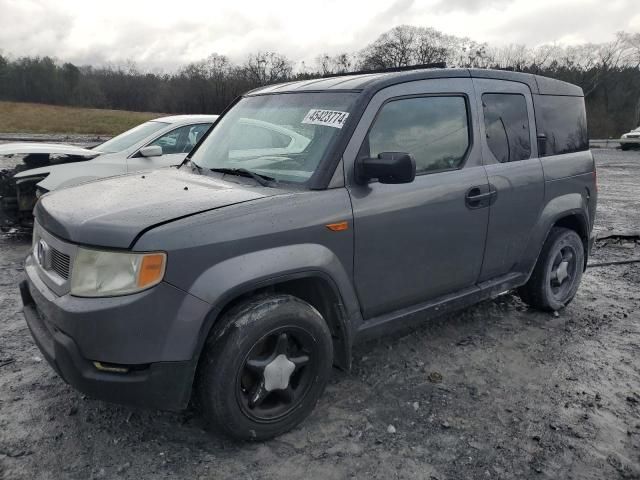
point(563, 272)
point(277, 374)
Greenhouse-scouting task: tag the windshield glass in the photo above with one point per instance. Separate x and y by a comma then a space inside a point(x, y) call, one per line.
point(130, 137)
point(282, 136)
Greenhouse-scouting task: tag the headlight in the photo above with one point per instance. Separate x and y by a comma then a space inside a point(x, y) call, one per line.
point(101, 274)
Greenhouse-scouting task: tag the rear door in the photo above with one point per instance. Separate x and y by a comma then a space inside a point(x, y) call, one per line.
point(514, 171)
point(417, 241)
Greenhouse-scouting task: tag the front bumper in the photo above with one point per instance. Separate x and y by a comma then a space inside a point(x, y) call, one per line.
point(164, 385)
point(72, 333)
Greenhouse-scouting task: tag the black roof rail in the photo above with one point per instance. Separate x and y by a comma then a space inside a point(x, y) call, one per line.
point(421, 66)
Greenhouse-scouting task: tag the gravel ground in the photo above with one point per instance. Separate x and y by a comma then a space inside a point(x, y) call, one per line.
point(496, 391)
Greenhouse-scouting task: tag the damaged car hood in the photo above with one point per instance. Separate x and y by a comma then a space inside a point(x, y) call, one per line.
point(113, 212)
point(46, 149)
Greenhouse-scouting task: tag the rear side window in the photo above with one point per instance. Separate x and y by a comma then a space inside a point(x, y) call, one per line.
point(563, 121)
point(507, 126)
point(433, 129)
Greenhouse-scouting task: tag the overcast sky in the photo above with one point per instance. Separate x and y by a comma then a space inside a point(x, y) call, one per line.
point(168, 34)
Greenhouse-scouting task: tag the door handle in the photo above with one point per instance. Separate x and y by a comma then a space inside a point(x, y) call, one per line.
point(477, 197)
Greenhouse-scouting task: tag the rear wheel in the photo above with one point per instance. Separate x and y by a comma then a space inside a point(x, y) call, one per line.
point(557, 274)
point(266, 373)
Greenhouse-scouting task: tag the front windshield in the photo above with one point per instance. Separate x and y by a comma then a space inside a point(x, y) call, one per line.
point(130, 137)
point(281, 136)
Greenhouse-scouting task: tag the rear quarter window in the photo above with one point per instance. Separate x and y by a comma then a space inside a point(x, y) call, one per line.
point(507, 126)
point(563, 121)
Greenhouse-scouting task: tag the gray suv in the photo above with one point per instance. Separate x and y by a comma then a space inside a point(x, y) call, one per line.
point(373, 202)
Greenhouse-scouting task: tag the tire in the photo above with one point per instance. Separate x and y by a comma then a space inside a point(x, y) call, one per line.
point(624, 146)
point(548, 288)
point(246, 388)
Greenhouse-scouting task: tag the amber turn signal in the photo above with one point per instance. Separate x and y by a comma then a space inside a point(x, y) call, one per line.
point(338, 227)
point(151, 269)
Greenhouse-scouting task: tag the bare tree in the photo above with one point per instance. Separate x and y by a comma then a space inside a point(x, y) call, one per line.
point(263, 68)
point(432, 46)
point(468, 53)
point(395, 48)
point(341, 63)
point(609, 74)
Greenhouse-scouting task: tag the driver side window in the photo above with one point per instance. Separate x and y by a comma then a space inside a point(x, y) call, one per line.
point(434, 130)
point(175, 141)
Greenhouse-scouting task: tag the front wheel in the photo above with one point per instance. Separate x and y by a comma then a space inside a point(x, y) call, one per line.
point(266, 373)
point(558, 271)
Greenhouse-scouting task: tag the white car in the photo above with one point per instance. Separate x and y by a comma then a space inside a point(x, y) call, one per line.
point(634, 136)
point(155, 144)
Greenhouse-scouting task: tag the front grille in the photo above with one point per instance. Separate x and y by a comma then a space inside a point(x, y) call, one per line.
point(60, 263)
point(54, 258)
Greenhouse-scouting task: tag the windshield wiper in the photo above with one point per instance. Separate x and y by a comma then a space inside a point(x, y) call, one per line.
point(183, 162)
point(193, 164)
point(243, 172)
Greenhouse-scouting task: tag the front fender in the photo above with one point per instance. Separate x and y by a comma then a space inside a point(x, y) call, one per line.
point(240, 274)
point(571, 204)
point(245, 273)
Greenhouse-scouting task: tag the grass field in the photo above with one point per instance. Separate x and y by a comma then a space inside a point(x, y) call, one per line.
point(18, 117)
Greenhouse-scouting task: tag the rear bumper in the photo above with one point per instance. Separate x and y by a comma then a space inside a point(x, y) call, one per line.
point(163, 385)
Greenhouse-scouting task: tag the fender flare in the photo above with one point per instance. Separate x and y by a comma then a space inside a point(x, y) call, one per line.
point(237, 276)
point(564, 206)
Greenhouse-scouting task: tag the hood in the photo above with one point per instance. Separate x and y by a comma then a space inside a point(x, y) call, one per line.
point(46, 149)
point(113, 212)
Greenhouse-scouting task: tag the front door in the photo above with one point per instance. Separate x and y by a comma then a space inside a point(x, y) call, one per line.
point(418, 241)
point(175, 144)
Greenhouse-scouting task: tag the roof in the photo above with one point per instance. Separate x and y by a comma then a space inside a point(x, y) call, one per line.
point(186, 118)
point(370, 82)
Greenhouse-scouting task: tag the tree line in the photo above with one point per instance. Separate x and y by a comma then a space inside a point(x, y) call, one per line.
point(609, 74)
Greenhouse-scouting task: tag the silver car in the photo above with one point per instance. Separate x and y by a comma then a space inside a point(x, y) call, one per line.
point(155, 144)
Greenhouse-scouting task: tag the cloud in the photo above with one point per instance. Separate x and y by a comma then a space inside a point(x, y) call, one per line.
point(468, 5)
point(166, 35)
point(32, 27)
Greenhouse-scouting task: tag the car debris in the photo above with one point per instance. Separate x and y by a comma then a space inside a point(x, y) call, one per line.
point(17, 196)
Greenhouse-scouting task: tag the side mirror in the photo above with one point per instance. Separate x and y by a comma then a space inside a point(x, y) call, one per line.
point(151, 151)
point(388, 167)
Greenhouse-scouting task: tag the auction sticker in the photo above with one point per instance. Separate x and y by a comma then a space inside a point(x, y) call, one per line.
point(328, 118)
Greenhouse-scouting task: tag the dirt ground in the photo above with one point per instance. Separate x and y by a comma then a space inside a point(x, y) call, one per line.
point(496, 391)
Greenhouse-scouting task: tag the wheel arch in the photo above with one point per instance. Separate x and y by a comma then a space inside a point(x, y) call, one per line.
point(309, 271)
point(576, 222)
point(314, 287)
point(573, 220)
point(568, 211)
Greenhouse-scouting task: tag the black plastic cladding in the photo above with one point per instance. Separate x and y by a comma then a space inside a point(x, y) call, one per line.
point(369, 84)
